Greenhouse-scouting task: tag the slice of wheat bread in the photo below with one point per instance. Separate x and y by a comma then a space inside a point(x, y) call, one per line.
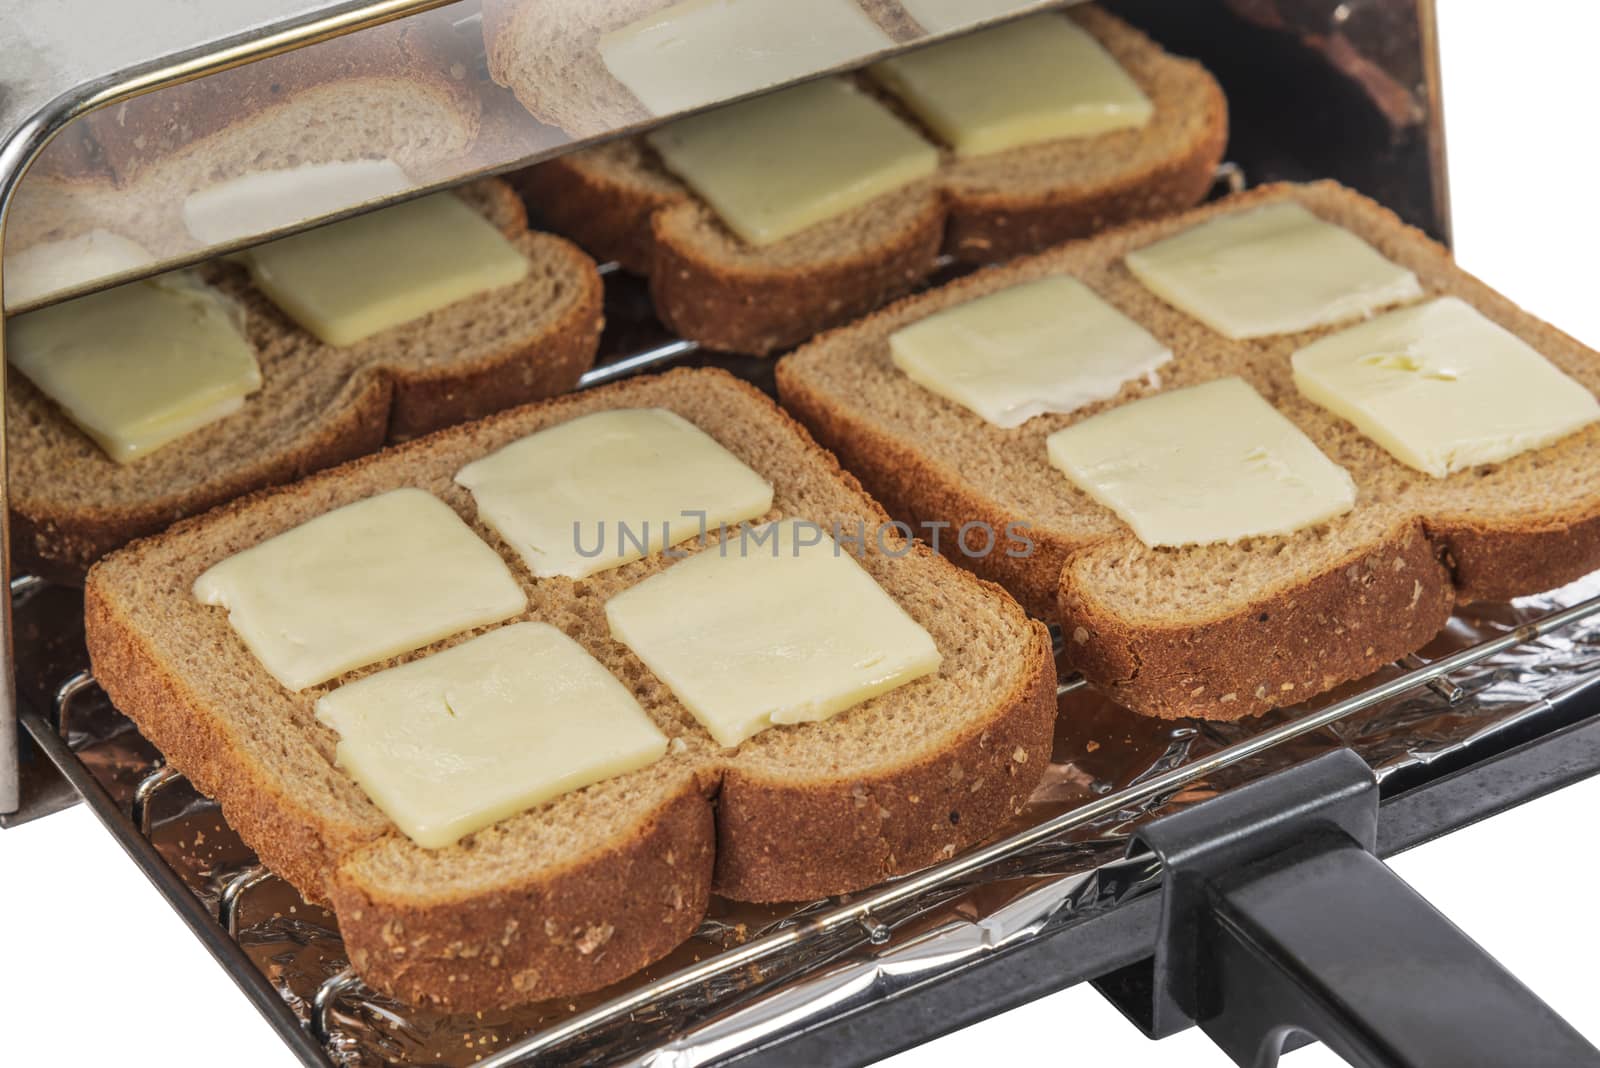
point(318, 405)
point(621, 203)
point(1030, 198)
point(547, 53)
point(587, 888)
point(1216, 631)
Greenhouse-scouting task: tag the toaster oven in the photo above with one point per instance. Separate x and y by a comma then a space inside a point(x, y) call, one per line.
point(1198, 873)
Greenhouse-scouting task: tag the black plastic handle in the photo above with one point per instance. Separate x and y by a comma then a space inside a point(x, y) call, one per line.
point(1279, 923)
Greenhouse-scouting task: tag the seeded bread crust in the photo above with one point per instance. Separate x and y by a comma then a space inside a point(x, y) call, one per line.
point(71, 504)
point(605, 879)
point(618, 201)
point(1217, 632)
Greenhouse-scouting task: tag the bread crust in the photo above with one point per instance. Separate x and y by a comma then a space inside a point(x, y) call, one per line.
point(611, 220)
point(562, 933)
point(1499, 563)
point(776, 842)
point(1372, 608)
point(759, 309)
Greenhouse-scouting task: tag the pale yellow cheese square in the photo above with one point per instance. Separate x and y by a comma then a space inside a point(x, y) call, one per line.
point(141, 365)
point(457, 741)
point(773, 166)
point(1037, 79)
point(352, 279)
point(598, 491)
point(1276, 269)
point(701, 52)
point(1443, 388)
point(777, 625)
point(359, 584)
point(939, 16)
point(1210, 463)
point(1050, 345)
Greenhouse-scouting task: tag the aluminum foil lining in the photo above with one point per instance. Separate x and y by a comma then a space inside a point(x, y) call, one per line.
point(1100, 750)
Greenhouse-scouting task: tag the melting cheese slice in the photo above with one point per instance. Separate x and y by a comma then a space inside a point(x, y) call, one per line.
point(457, 741)
point(350, 280)
point(263, 201)
point(603, 489)
point(1037, 79)
point(55, 266)
point(704, 51)
point(364, 582)
point(777, 625)
point(1276, 269)
point(773, 166)
point(1049, 345)
point(1210, 463)
point(938, 16)
point(141, 365)
point(1443, 388)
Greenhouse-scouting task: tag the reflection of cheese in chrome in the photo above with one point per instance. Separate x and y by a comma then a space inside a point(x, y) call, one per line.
point(603, 489)
point(772, 166)
point(138, 366)
point(1038, 79)
point(779, 625)
point(362, 583)
point(263, 201)
point(457, 741)
point(703, 51)
point(1443, 388)
point(349, 280)
point(1276, 269)
point(1210, 463)
point(55, 266)
point(937, 16)
point(1049, 345)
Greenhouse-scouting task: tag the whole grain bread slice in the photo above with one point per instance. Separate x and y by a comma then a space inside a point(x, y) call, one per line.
point(591, 886)
point(1216, 631)
point(621, 203)
point(318, 405)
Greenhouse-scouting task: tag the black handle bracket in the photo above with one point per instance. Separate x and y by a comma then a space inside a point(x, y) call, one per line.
point(1279, 925)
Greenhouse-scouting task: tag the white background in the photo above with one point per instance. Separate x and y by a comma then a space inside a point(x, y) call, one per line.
point(1520, 84)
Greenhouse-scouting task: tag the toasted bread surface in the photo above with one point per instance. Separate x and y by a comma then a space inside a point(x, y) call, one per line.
point(1216, 631)
point(584, 889)
point(319, 405)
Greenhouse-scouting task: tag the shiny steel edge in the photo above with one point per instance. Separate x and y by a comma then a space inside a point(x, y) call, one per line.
point(864, 910)
point(1438, 162)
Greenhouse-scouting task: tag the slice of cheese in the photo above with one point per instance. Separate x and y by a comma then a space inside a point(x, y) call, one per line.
point(457, 741)
point(49, 267)
point(1443, 388)
point(773, 166)
point(364, 582)
point(776, 625)
point(141, 365)
point(603, 489)
point(1049, 345)
point(702, 52)
point(263, 201)
point(938, 16)
point(352, 279)
point(1037, 79)
point(1210, 463)
point(1276, 269)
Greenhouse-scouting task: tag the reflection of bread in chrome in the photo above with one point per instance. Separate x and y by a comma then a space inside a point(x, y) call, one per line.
point(549, 52)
